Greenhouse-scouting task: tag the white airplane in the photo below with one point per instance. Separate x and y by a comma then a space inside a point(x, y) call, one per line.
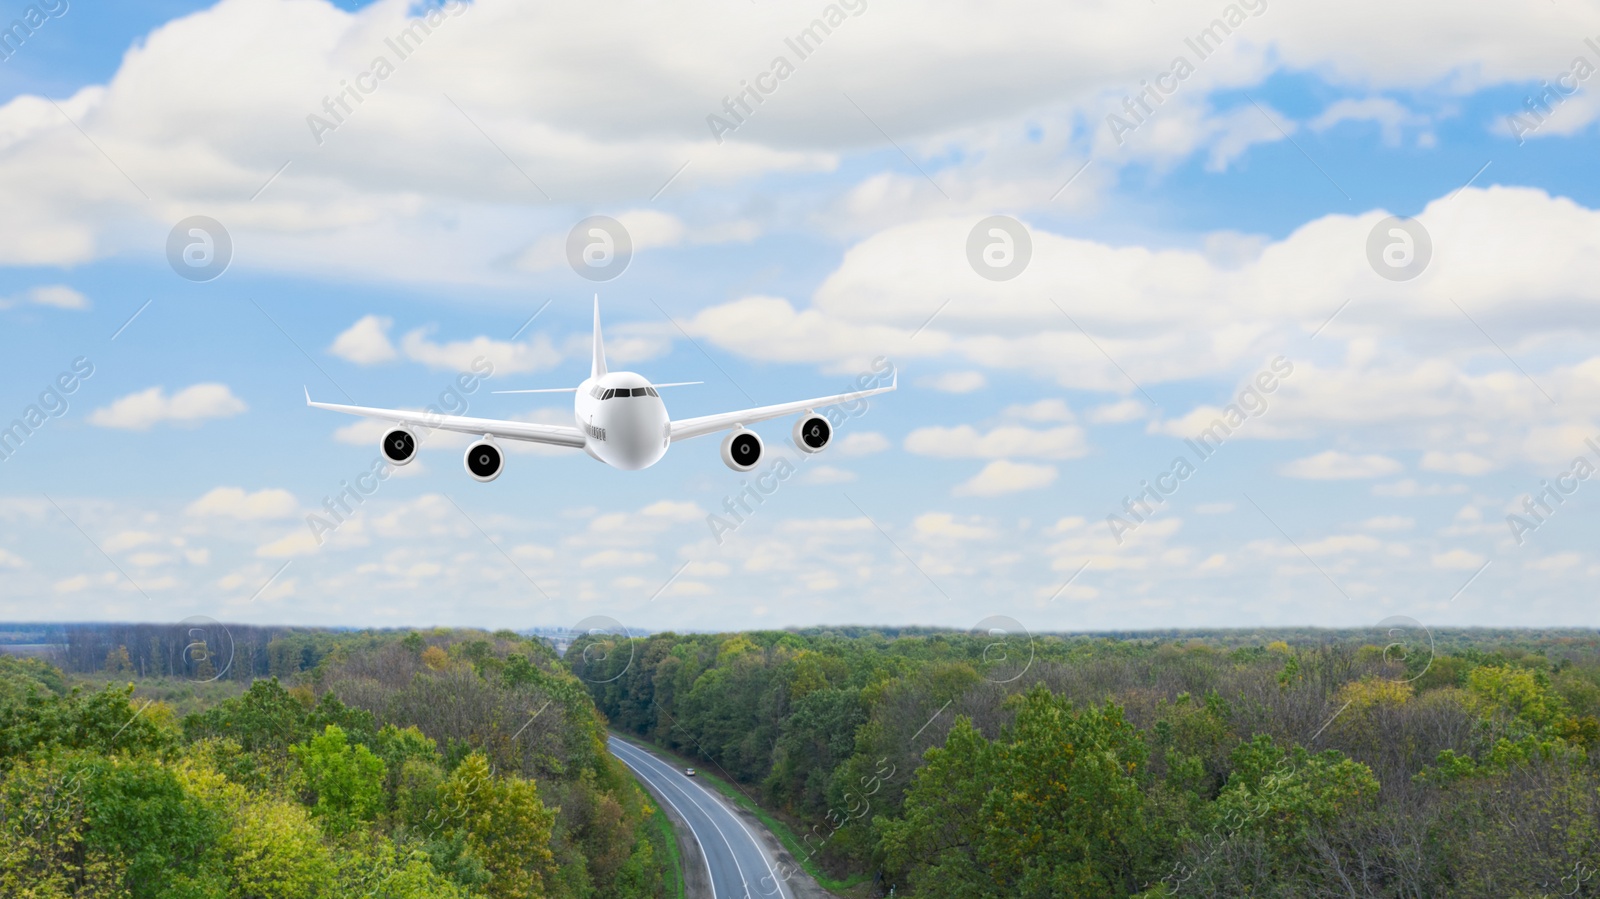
point(621, 421)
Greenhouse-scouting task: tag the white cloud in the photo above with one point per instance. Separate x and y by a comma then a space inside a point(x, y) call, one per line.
point(1457, 559)
point(827, 474)
point(943, 526)
point(1334, 545)
point(1044, 410)
point(366, 342)
point(668, 510)
point(299, 542)
point(1462, 463)
point(538, 354)
point(126, 540)
point(1170, 315)
point(74, 584)
point(648, 229)
point(863, 443)
point(58, 296)
point(617, 558)
point(190, 125)
point(1409, 489)
point(11, 560)
point(966, 442)
point(147, 408)
point(1557, 562)
point(1389, 115)
point(235, 503)
point(957, 382)
point(1118, 412)
point(1334, 465)
point(1004, 476)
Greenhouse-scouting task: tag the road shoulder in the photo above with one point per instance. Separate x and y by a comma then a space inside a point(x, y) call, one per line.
point(696, 877)
point(799, 883)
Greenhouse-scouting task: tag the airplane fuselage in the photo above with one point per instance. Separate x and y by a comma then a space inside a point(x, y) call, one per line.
point(623, 419)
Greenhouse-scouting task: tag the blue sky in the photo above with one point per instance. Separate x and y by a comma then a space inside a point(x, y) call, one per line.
point(1229, 229)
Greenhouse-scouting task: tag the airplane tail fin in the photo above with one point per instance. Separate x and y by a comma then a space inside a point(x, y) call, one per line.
point(599, 366)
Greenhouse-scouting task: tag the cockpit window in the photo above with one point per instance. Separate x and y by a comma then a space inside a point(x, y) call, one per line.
point(640, 391)
point(607, 395)
point(652, 391)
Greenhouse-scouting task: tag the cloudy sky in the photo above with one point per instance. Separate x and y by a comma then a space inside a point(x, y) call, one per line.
point(1362, 236)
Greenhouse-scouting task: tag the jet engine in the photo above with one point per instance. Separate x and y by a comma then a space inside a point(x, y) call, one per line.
point(484, 461)
point(399, 446)
point(812, 433)
point(741, 450)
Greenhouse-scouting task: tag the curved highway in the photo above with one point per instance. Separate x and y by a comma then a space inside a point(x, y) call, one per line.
point(738, 862)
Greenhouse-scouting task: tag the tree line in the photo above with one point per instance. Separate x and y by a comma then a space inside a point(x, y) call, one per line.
point(199, 649)
point(935, 764)
point(422, 765)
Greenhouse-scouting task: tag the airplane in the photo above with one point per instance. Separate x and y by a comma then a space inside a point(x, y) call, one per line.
point(621, 421)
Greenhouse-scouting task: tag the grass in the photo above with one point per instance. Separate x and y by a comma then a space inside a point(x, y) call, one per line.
point(782, 831)
point(661, 825)
point(184, 696)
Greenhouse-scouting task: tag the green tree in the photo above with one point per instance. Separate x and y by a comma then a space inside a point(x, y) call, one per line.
point(275, 851)
point(1523, 695)
point(347, 780)
point(1065, 817)
point(85, 825)
point(265, 719)
point(1052, 808)
point(1282, 793)
point(936, 841)
point(32, 719)
point(396, 748)
point(118, 661)
point(505, 824)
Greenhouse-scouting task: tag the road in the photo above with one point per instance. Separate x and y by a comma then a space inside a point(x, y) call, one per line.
point(739, 864)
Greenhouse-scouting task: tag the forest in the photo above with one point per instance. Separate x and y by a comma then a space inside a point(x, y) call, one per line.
point(1302, 764)
point(148, 762)
point(377, 765)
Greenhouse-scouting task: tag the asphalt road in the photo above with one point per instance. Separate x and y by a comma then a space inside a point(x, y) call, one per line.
point(739, 864)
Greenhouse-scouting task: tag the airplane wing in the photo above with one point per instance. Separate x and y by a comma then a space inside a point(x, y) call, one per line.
point(710, 424)
point(553, 435)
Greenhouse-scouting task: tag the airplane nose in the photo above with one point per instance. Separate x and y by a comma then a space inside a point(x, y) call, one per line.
point(637, 443)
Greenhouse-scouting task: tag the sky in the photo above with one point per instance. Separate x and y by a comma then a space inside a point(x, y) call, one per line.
point(1203, 314)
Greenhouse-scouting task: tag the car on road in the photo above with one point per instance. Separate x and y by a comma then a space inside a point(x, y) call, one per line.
point(689, 771)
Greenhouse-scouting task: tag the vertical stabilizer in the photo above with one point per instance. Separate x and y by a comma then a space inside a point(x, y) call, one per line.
point(599, 367)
